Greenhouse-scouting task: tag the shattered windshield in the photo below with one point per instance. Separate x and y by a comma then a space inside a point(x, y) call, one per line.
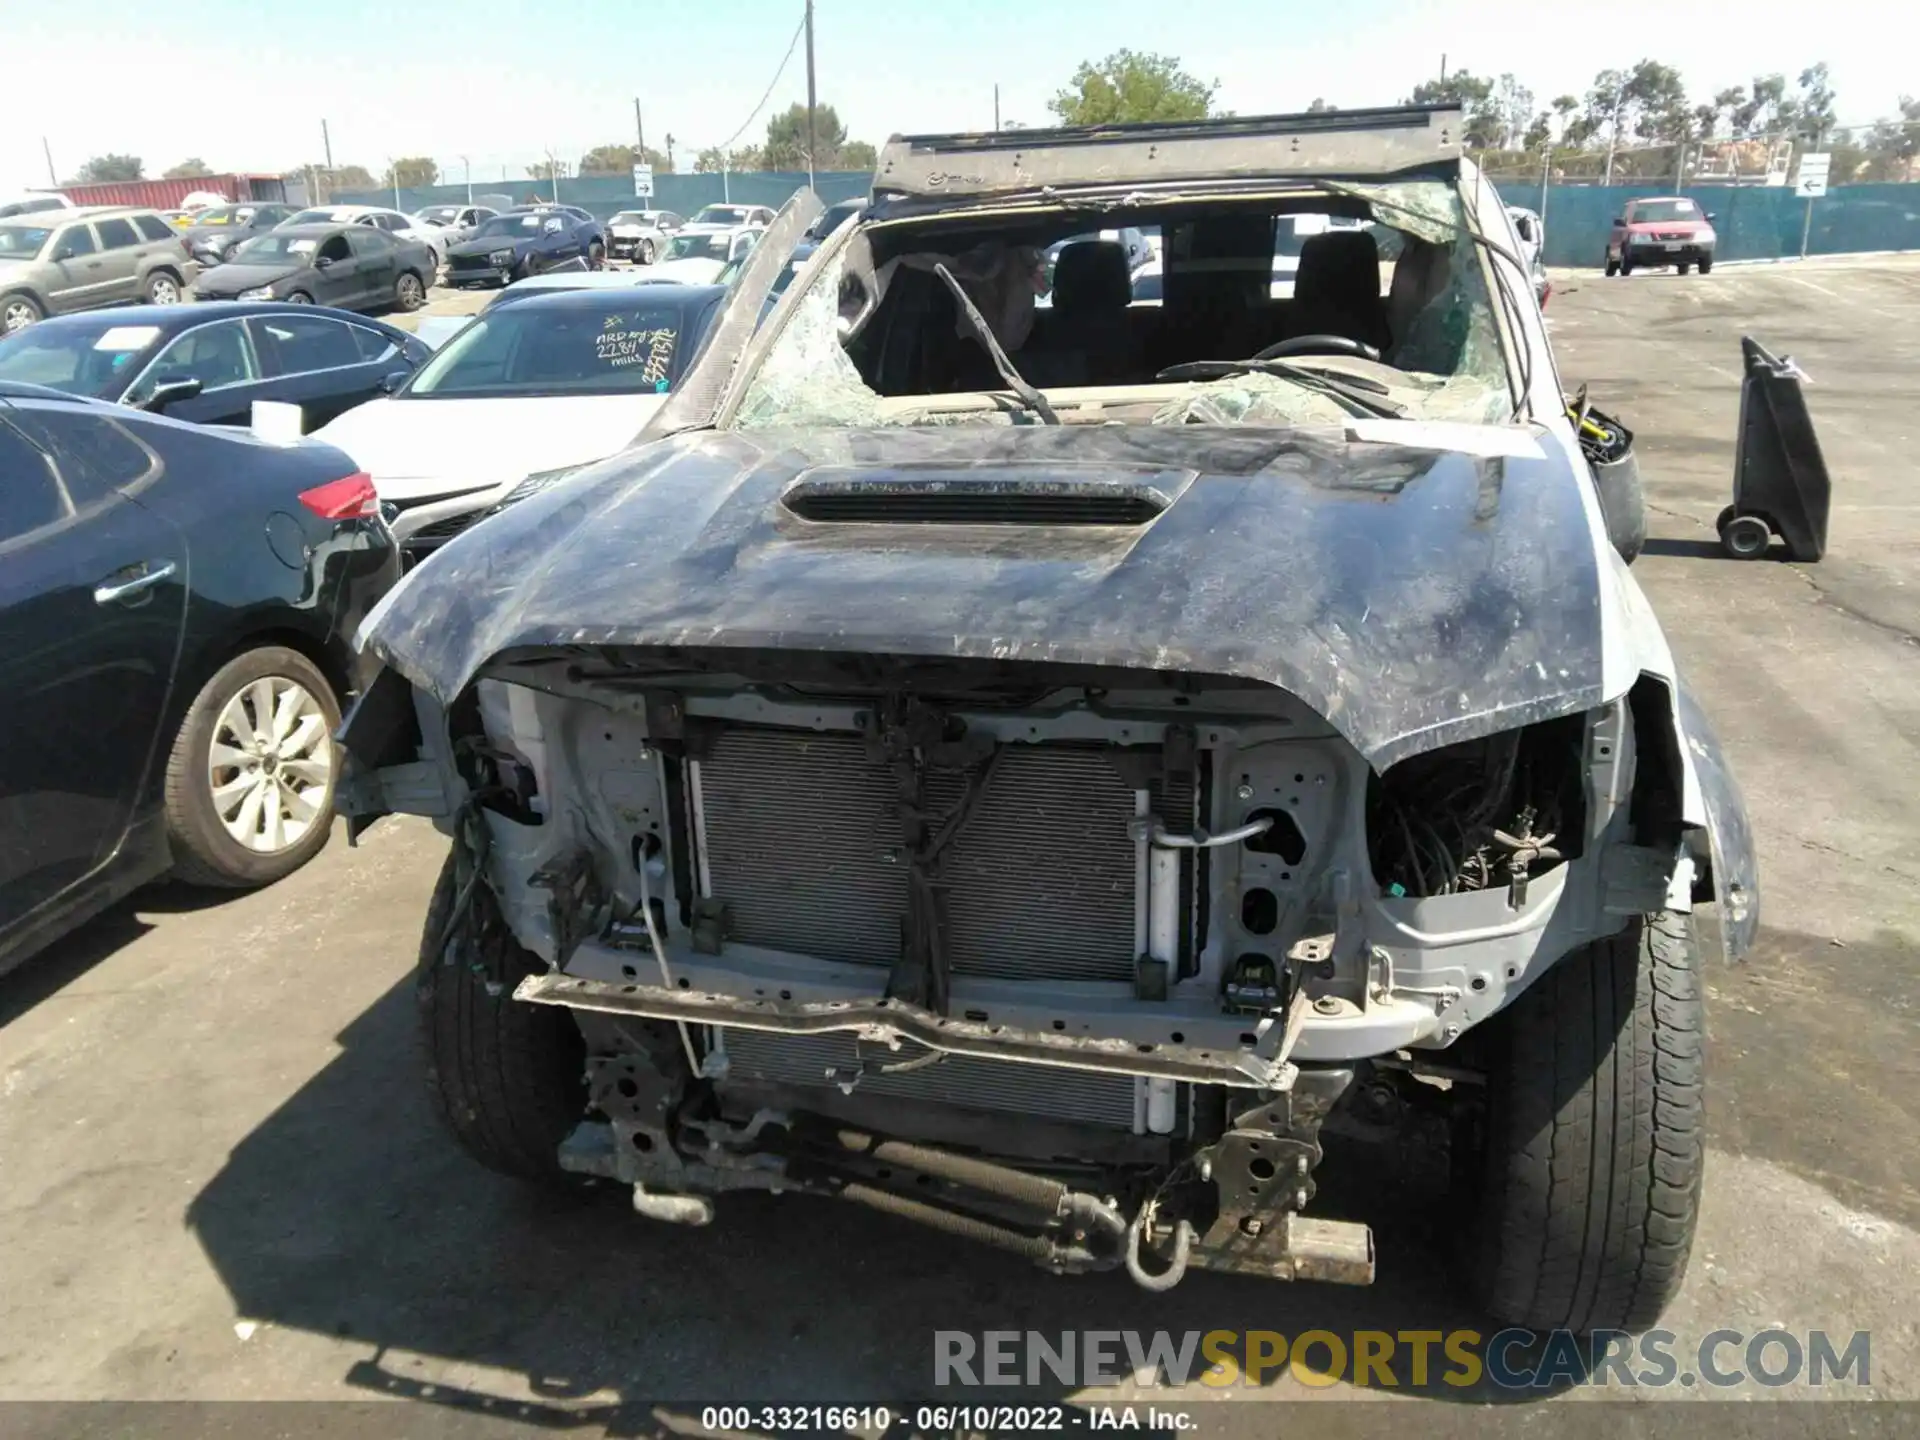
point(1387, 313)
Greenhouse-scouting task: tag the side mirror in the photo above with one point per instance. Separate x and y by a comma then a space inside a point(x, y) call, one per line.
point(393, 380)
point(1619, 219)
point(1712, 216)
point(322, 262)
point(169, 392)
point(66, 252)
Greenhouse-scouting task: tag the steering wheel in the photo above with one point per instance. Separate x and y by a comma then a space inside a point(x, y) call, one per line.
point(1318, 345)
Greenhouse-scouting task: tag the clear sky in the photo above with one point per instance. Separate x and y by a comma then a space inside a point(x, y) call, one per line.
point(244, 86)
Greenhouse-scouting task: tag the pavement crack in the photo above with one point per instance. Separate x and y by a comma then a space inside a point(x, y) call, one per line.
point(1824, 597)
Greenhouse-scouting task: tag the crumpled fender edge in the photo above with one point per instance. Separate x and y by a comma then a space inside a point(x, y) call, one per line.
point(1736, 870)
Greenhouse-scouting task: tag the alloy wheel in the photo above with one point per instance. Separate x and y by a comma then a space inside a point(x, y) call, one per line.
point(163, 291)
point(271, 765)
point(18, 316)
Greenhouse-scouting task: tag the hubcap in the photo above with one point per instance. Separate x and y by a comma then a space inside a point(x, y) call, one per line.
point(298, 299)
point(165, 292)
point(19, 315)
point(409, 290)
point(271, 765)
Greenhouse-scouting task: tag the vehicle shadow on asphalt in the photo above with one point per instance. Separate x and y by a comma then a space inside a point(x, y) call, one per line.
point(68, 958)
point(348, 1213)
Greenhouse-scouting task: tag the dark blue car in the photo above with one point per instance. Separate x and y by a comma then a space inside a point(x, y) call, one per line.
point(177, 611)
point(526, 242)
point(209, 362)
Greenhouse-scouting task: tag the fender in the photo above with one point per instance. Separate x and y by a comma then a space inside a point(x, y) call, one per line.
point(1714, 803)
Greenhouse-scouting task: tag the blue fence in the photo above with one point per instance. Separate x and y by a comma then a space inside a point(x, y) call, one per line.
point(605, 194)
point(1753, 222)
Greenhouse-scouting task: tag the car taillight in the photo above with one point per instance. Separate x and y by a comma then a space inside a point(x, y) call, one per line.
point(351, 497)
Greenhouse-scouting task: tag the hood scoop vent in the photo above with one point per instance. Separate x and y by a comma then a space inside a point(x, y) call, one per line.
point(1041, 496)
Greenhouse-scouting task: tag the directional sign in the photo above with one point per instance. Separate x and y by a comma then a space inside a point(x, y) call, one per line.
point(1813, 176)
point(643, 181)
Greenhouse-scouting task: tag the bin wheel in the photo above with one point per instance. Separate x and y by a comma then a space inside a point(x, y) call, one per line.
point(1613, 266)
point(1745, 537)
point(1681, 267)
point(1720, 520)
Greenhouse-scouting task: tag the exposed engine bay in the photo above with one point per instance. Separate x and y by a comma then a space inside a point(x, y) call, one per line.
point(1072, 961)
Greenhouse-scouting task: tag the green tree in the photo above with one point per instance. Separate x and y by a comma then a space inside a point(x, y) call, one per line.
point(858, 155)
point(619, 160)
point(548, 170)
point(1815, 105)
point(709, 160)
point(1892, 145)
point(1474, 95)
point(1132, 85)
point(187, 170)
point(1318, 106)
point(413, 171)
point(786, 147)
point(110, 167)
point(352, 177)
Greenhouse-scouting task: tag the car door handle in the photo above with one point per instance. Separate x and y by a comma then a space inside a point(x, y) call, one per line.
point(114, 589)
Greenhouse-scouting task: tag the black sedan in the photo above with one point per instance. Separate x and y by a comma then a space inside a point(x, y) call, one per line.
point(526, 242)
point(209, 363)
point(356, 267)
point(177, 608)
point(216, 231)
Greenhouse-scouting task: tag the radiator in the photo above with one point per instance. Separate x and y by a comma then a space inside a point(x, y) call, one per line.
point(801, 830)
point(998, 1085)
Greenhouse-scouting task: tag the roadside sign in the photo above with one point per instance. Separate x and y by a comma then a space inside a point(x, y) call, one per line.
point(643, 181)
point(1813, 176)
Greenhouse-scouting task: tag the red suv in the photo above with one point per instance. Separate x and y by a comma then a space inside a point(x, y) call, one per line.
point(1667, 230)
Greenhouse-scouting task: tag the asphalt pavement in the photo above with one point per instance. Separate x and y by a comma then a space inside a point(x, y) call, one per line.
point(220, 1179)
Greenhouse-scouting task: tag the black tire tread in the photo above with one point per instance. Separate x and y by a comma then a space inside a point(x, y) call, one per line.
point(1597, 1150)
point(504, 1077)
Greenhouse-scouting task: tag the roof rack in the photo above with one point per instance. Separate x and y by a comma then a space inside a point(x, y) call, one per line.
point(1322, 142)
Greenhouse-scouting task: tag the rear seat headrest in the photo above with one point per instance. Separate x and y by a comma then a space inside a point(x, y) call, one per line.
point(1092, 275)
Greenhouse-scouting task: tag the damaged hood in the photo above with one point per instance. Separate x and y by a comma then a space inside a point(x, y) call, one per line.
point(1412, 594)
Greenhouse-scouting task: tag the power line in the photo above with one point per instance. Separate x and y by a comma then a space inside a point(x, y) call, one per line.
point(798, 30)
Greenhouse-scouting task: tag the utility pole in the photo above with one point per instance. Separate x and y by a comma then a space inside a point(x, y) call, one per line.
point(640, 129)
point(466, 169)
point(326, 144)
point(1443, 67)
point(996, 108)
point(670, 151)
point(1613, 131)
point(393, 174)
point(810, 100)
point(47, 150)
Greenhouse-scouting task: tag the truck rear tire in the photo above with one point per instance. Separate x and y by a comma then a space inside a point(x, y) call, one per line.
point(506, 1078)
point(1595, 1138)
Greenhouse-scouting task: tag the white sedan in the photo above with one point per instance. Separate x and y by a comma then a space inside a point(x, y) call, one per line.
point(696, 257)
point(519, 397)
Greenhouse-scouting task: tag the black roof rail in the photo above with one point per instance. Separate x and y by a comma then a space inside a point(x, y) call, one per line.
point(1321, 142)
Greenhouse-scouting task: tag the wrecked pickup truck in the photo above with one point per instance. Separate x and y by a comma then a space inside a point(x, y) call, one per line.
point(1042, 774)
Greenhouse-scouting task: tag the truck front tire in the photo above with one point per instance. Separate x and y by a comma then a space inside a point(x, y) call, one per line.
point(1595, 1138)
point(506, 1078)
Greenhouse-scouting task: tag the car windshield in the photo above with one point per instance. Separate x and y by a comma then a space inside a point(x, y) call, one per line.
point(1398, 281)
point(222, 215)
point(92, 355)
point(22, 242)
point(722, 215)
point(625, 346)
point(323, 216)
point(834, 217)
point(708, 246)
point(515, 225)
point(274, 248)
point(440, 214)
point(631, 217)
point(1657, 210)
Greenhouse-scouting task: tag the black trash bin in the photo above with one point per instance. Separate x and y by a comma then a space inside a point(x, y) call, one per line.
point(1780, 484)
